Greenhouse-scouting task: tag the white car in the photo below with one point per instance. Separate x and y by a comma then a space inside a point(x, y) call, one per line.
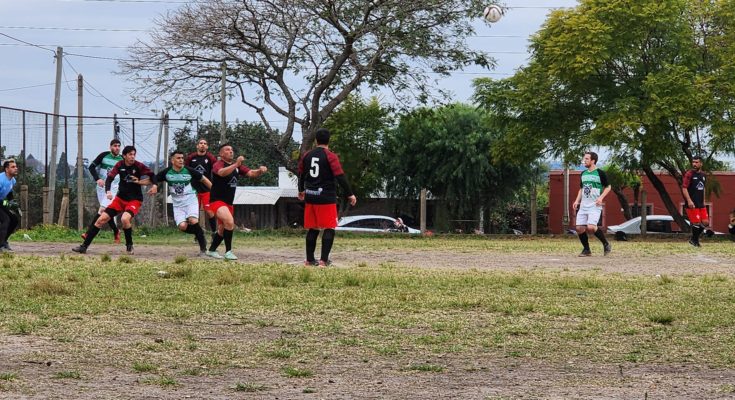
point(373, 223)
point(655, 224)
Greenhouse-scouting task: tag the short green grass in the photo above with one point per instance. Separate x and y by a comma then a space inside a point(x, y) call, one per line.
point(8, 376)
point(68, 375)
point(249, 387)
point(299, 317)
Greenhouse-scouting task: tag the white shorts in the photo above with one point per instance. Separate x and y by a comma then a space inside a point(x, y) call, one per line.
point(588, 216)
point(187, 210)
point(102, 195)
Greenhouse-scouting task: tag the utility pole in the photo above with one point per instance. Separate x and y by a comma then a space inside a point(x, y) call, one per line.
point(165, 158)
point(115, 127)
point(80, 158)
point(223, 99)
point(51, 201)
point(158, 161)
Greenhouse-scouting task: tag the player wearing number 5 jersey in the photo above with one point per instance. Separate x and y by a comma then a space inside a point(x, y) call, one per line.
point(319, 170)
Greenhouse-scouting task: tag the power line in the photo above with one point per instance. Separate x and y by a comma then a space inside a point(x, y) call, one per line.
point(24, 42)
point(28, 87)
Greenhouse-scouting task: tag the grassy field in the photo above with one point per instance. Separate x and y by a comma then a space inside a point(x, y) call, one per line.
point(162, 313)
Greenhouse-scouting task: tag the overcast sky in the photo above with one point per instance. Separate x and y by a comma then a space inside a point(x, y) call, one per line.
point(94, 33)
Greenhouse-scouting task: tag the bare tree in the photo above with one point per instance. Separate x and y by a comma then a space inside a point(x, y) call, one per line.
point(302, 58)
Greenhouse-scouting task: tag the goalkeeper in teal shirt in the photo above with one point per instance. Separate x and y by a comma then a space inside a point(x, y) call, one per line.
point(8, 219)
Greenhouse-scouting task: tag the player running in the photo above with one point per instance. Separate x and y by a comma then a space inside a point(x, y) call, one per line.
point(693, 190)
point(203, 161)
point(181, 181)
point(104, 162)
point(318, 171)
point(127, 201)
point(593, 189)
point(225, 173)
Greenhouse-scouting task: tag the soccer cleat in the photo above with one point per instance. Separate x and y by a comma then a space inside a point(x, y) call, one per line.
point(129, 249)
point(81, 249)
point(695, 244)
point(607, 248)
point(202, 254)
point(585, 253)
point(230, 256)
point(117, 237)
point(214, 255)
point(308, 263)
point(84, 235)
point(323, 263)
point(6, 247)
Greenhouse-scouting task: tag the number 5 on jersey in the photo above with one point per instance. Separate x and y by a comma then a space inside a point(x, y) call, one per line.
point(314, 169)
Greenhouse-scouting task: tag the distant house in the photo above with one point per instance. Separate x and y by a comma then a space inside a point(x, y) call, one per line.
point(718, 207)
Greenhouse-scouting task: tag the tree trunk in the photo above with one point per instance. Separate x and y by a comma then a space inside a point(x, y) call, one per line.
point(623, 200)
point(672, 208)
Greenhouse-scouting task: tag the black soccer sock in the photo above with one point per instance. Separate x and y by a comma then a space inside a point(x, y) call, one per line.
point(113, 226)
point(585, 241)
point(601, 235)
point(197, 231)
point(128, 236)
point(216, 240)
point(92, 231)
point(213, 224)
point(228, 239)
point(327, 242)
point(311, 237)
point(696, 232)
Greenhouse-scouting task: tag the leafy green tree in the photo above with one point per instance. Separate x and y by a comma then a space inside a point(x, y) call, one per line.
point(651, 80)
point(252, 140)
point(448, 151)
point(300, 59)
point(358, 128)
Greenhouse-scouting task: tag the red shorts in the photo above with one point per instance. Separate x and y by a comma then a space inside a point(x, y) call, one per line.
point(320, 216)
point(120, 205)
point(697, 215)
point(204, 201)
point(216, 205)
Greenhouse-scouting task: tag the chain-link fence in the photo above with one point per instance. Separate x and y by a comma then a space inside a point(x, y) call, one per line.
point(27, 136)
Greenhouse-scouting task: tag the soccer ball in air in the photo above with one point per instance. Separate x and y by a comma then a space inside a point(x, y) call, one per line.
point(492, 13)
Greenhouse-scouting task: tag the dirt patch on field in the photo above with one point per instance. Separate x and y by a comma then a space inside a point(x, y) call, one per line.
point(112, 366)
point(619, 261)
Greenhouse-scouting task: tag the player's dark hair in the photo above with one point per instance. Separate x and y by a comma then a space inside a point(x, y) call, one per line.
point(128, 149)
point(7, 163)
point(175, 152)
point(115, 141)
point(697, 158)
point(322, 136)
point(593, 156)
point(223, 145)
point(201, 138)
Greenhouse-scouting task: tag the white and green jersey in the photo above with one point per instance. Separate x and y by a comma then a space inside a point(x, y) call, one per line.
point(592, 184)
point(180, 184)
point(104, 162)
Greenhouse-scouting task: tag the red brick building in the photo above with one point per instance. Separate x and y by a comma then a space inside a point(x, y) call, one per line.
point(719, 207)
